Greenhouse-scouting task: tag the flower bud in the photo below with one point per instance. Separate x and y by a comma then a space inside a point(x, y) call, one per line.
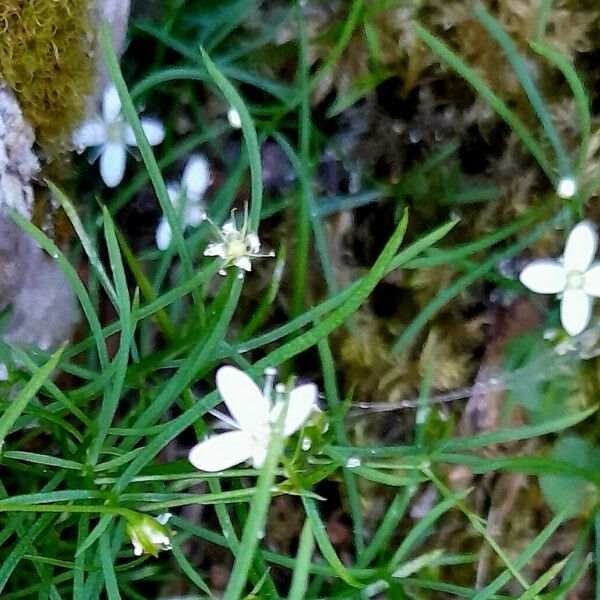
point(148, 534)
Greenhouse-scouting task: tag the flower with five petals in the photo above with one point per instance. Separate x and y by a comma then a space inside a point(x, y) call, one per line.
point(253, 417)
point(573, 276)
point(186, 199)
point(236, 246)
point(112, 135)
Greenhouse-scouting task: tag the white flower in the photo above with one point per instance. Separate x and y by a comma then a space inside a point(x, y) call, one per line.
point(573, 276)
point(112, 134)
point(566, 188)
point(253, 416)
point(233, 116)
point(186, 198)
point(149, 535)
point(237, 246)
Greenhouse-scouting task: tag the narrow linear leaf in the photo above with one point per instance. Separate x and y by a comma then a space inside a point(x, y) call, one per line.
point(235, 100)
point(86, 243)
point(538, 585)
point(189, 570)
point(482, 88)
point(18, 404)
point(303, 562)
point(322, 539)
point(130, 114)
point(108, 571)
point(582, 102)
point(416, 564)
point(414, 536)
point(359, 293)
point(113, 391)
point(523, 559)
point(522, 72)
point(502, 436)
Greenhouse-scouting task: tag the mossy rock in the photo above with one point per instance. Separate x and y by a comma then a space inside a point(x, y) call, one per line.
point(47, 59)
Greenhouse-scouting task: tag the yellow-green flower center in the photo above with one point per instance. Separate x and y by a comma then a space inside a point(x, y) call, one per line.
point(237, 248)
point(114, 131)
point(575, 280)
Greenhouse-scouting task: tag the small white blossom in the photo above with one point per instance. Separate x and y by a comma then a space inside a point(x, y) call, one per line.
point(237, 246)
point(112, 135)
point(186, 198)
point(233, 116)
point(573, 276)
point(253, 417)
point(566, 188)
point(149, 535)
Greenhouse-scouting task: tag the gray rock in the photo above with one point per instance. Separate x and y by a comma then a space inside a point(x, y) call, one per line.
point(43, 309)
point(43, 306)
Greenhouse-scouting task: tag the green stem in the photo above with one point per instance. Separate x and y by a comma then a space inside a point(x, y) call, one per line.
point(130, 114)
point(303, 561)
point(249, 133)
point(542, 20)
point(68, 508)
point(254, 529)
point(479, 527)
point(339, 428)
point(303, 218)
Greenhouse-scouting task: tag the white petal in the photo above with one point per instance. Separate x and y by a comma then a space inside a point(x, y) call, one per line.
point(157, 537)
point(234, 118)
point(194, 215)
point(243, 398)
point(111, 104)
point(544, 276)
point(259, 455)
point(300, 406)
point(253, 243)
point(138, 550)
point(112, 163)
point(163, 518)
point(243, 262)
point(163, 234)
point(128, 135)
point(581, 247)
point(90, 133)
point(229, 228)
point(566, 188)
point(216, 250)
point(221, 451)
point(154, 130)
point(591, 281)
point(575, 311)
point(173, 191)
point(196, 176)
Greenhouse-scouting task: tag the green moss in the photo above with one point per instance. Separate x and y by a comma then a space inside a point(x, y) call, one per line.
point(46, 57)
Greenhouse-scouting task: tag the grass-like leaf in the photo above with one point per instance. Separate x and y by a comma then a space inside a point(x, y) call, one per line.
point(482, 88)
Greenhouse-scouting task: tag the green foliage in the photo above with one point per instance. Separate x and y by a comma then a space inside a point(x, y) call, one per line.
point(572, 495)
point(101, 444)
